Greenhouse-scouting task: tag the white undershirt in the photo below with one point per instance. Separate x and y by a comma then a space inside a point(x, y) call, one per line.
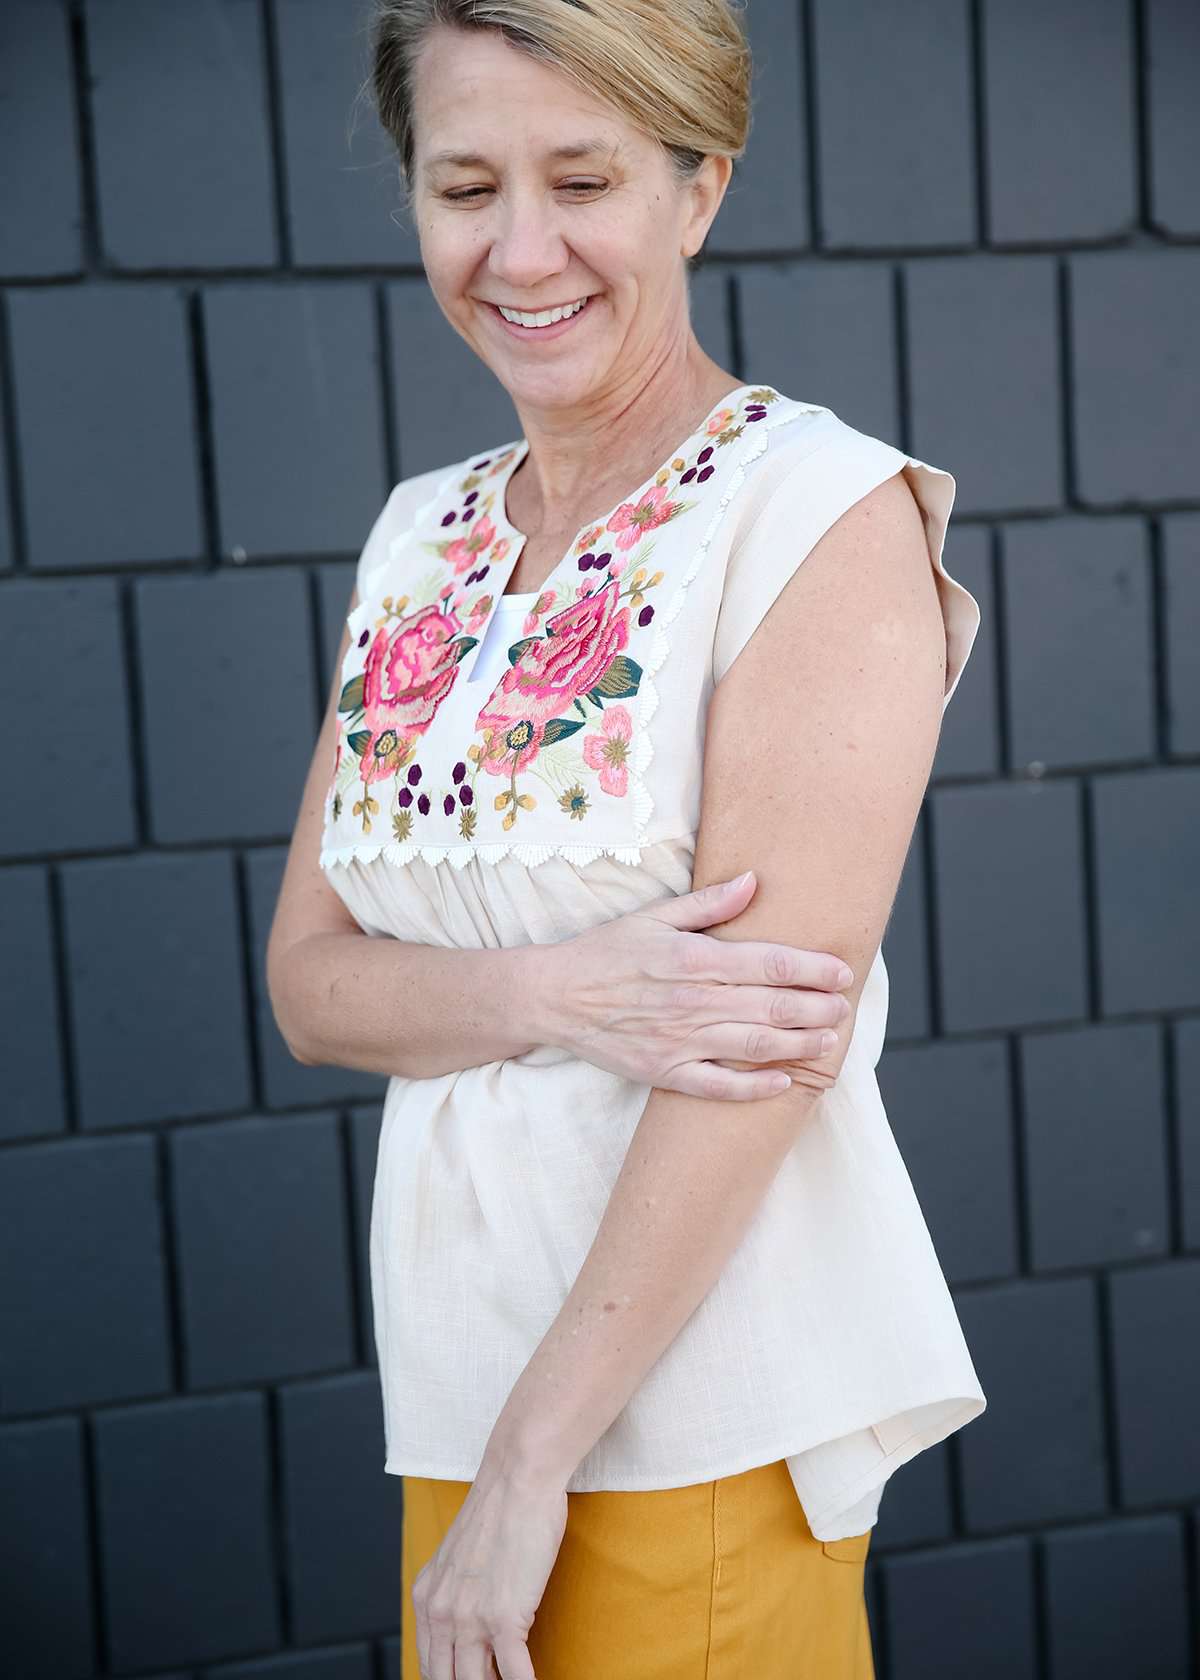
point(503, 630)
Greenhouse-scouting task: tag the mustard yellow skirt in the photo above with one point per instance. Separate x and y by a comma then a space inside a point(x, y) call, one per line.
point(721, 1580)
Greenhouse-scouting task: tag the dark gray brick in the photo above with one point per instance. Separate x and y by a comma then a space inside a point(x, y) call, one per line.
point(1116, 1601)
point(286, 1082)
point(1078, 642)
point(153, 952)
point(950, 1109)
point(343, 186)
point(183, 1494)
point(263, 1250)
point(1037, 1453)
point(1172, 53)
point(962, 1610)
point(986, 405)
point(1010, 904)
point(297, 416)
point(765, 207)
point(335, 583)
point(1155, 1311)
point(1181, 630)
point(969, 744)
point(906, 950)
point(447, 402)
point(82, 1284)
point(200, 195)
point(344, 1513)
point(1095, 1144)
point(47, 1627)
point(1148, 915)
point(1134, 404)
point(7, 511)
point(1058, 105)
point(365, 1128)
point(39, 191)
point(226, 760)
point(896, 166)
point(75, 787)
point(916, 1502)
point(348, 1662)
point(33, 1103)
point(1187, 1069)
point(825, 333)
point(104, 422)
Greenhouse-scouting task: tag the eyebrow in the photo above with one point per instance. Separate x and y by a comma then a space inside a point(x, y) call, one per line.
point(475, 160)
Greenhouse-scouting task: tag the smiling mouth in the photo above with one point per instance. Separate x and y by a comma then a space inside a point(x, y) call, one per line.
point(531, 319)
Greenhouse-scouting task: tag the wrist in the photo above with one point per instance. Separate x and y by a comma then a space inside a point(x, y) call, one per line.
point(542, 987)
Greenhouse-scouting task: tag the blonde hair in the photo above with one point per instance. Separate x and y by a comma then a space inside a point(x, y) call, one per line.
point(680, 70)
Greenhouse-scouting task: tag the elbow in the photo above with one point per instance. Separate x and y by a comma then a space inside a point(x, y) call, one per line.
point(284, 1011)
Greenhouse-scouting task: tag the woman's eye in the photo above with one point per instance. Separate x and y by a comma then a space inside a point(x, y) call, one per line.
point(466, 194)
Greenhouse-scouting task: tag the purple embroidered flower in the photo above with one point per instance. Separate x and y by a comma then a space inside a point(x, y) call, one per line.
point(688, 476)
point(414, 774)
point(423, 804)
point(364, 638)
point(471, 497)
point(459, 771)
point(480, 464)
point(448, 805)
point(404, 797)
point(646, 614)
point(705, 472)
point(586, 560)
point(705, 453)
point(465, 795)
point(449, 518)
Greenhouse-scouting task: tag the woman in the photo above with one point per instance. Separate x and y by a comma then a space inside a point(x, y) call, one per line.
point(657, 1314)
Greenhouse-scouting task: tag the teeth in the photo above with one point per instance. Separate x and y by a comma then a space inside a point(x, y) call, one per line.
point(544, 317)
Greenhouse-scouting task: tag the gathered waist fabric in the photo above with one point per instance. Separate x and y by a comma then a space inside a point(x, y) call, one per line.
point(829, 1339)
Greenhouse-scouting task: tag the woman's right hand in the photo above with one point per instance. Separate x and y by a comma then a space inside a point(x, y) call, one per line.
point(648, 996)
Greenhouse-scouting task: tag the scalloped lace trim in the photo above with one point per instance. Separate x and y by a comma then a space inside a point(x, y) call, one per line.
point(461, 853)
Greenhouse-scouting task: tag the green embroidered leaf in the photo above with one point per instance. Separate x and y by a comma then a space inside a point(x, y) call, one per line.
point(579, 706)
point(559, 728)
point(463, 647)
point(352, 695)
point(621, 679)
point(518, 648)
point(359, 740)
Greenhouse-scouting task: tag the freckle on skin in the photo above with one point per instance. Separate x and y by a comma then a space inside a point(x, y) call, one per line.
point(610, 1306)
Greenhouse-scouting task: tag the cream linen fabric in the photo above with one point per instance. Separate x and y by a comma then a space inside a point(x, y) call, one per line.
point(830, 1338)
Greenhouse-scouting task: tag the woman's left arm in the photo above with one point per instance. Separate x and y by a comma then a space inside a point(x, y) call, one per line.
point(820, 739)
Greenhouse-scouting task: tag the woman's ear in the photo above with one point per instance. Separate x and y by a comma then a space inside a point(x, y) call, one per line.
point(707, 189)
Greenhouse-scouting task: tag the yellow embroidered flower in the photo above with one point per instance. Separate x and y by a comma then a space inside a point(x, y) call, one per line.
point(402, 824)
point(574, 801)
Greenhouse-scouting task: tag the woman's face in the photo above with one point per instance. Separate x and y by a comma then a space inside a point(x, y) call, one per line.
point(552, 197)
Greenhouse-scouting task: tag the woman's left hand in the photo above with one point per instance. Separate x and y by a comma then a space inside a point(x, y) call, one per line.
point(476, 1598)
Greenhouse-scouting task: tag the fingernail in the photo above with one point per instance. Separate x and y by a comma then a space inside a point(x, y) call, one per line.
point(742, 879)
point(846, 976)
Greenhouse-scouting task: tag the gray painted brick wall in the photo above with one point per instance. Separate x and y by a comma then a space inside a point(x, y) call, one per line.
point(969, 226)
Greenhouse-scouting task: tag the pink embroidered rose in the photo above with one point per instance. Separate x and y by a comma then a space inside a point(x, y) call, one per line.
point(580, 644)
point(633, 519)
point(608, 751)
point(465, 550)
point(717, 422)
point(406, 677)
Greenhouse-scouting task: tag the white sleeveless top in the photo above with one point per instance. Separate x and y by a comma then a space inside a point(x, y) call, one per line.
point(515, 771)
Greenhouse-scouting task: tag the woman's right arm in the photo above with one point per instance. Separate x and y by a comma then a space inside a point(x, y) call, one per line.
point(647, 995)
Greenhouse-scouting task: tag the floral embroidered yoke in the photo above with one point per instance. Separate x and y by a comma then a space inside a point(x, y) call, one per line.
point(564, 793)
point(557, 752)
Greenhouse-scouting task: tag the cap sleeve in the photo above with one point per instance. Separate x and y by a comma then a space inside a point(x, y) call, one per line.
point(802, 500)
